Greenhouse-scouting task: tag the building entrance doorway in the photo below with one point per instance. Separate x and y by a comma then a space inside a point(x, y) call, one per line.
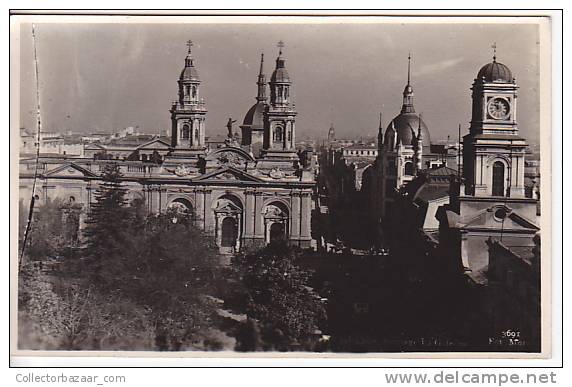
point(277, 232)
point(229, 232)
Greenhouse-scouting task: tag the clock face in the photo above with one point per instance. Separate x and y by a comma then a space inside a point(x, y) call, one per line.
point(498, 108)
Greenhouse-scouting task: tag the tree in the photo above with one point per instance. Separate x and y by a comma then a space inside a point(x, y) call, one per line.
point(172, 268)
point(108, 221)
point(279, 298)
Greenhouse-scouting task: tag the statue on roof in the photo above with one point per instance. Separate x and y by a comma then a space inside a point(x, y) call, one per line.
point(229, 126)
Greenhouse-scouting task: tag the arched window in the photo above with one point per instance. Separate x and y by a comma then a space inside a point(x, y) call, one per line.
point(194, 91)
point(196, 135)
point(409, 168)
point(278, 135)
point(498, 179)
point(186, 132)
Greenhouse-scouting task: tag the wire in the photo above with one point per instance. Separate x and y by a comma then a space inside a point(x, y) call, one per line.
point(38, 141)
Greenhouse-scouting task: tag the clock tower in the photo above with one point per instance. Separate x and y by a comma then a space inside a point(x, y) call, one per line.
point(493, 152)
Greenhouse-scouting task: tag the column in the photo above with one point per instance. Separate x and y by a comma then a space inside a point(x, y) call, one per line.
point(295, 215)
point(157, 199)
point(208, 215)
point(258, 220)
point(271, 135)
point(239, 235)
point(306, 217)
point(249, 214)
point(218, 228)
point(200, 207)
point(288, 134)
point(293, 142)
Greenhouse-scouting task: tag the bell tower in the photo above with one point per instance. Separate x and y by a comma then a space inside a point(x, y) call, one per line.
point(188, 113)
point(493, 152)
point(279, 116)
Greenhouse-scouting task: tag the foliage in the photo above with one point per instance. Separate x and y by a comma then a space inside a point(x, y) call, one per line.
point(108, 218)
point(139, 282)
point(169, 268)
point(63, 315)
point(278, 297)
point(54, 229)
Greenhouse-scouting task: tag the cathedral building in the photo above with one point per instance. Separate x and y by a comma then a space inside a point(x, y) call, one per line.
point(239, 197)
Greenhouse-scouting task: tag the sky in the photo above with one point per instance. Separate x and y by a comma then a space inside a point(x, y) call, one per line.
point(97, 77)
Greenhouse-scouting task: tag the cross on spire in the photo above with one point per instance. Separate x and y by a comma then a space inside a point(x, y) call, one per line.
point(494, 47)
point(409, 68)
point(189, 45)
point(280, 45)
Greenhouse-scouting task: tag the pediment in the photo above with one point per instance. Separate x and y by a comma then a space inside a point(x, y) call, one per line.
point(228, 174)
point(69, 170)
point(488, 219)
point(154, 144)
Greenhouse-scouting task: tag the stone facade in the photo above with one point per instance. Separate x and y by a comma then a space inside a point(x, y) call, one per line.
point(237, 198)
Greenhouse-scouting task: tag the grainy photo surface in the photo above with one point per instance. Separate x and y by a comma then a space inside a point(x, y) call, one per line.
point(323, 185)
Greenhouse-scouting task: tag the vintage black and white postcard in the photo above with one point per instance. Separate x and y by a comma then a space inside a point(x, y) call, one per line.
point(313, 186)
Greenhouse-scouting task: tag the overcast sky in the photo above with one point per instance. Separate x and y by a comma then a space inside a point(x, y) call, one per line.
point(103, 77)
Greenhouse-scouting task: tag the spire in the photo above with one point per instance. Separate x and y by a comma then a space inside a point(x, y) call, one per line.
point(494, 47)
point(408, 91)
point(279, 60)
point(261, 81)
point(261, 72)
point(409, 69)
point(189, 62)
point(379, 134)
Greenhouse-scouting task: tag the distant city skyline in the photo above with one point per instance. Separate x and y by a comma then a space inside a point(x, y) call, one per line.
point(104, 77)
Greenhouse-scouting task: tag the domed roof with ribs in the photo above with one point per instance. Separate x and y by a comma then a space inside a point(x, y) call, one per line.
point(406, 126)
point(495, 72)
point(255, 116)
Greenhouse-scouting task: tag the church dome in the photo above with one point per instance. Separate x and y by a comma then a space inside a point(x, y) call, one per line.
point(255, 116)
point(280, 75)
point(495, 72)
point(190, 72)
point(406, 125)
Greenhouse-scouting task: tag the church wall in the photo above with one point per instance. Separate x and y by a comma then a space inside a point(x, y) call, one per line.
point(203, 200)
point(471, 206)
